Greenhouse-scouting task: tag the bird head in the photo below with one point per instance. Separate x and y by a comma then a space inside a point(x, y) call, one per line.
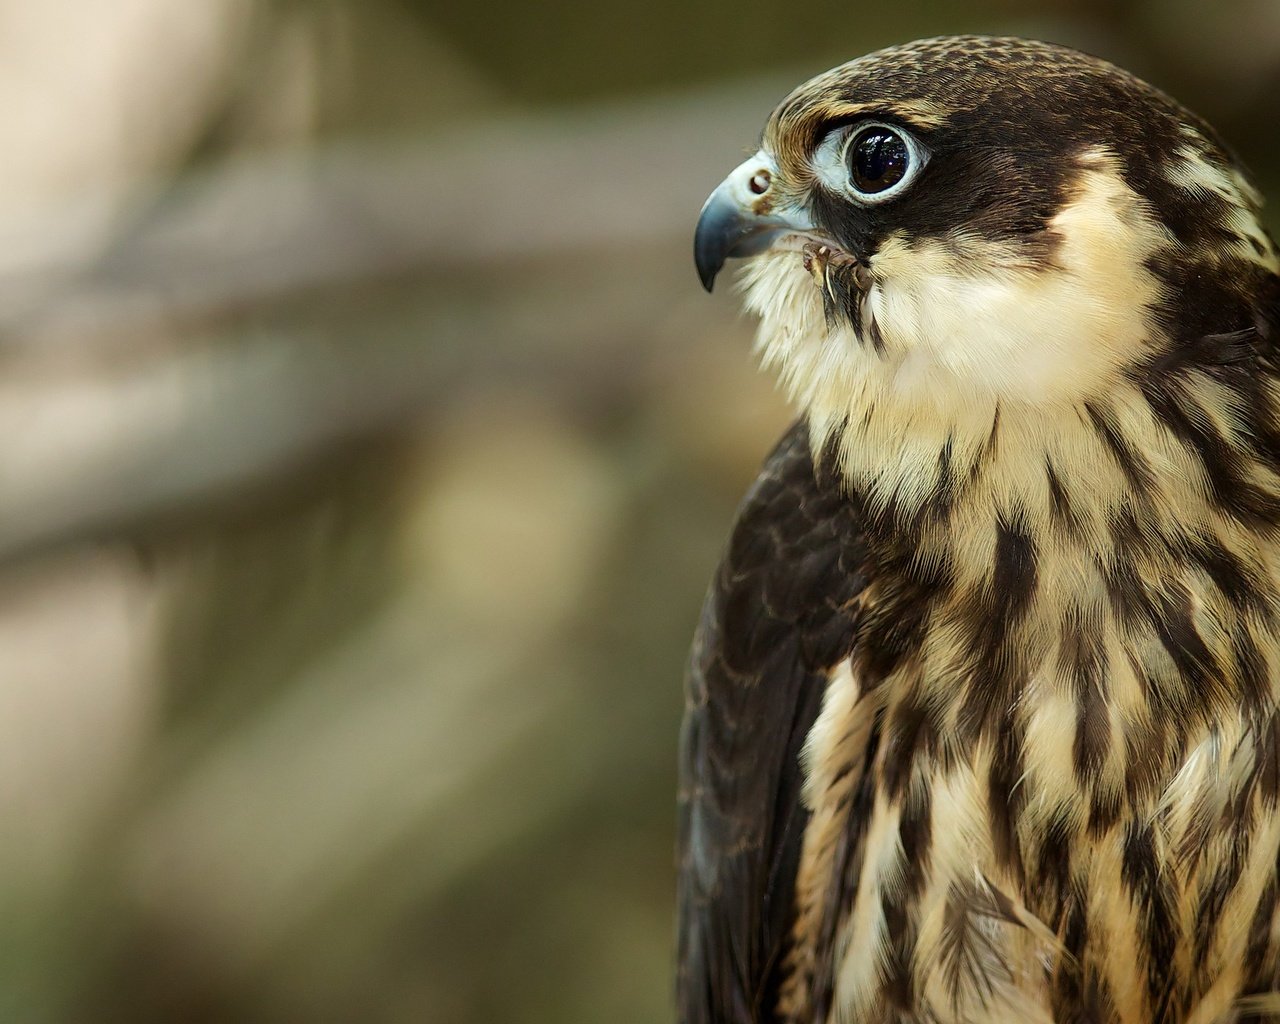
point(996, 222)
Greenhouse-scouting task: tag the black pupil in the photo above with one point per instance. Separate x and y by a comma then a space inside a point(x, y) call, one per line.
point(879, 160)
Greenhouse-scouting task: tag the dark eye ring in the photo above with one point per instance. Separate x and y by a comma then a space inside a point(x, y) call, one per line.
point(882, 161)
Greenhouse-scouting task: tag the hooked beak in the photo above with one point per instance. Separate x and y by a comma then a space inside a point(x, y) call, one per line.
point(742, 218)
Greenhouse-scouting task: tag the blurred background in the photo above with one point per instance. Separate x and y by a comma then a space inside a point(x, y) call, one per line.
point(366, 443)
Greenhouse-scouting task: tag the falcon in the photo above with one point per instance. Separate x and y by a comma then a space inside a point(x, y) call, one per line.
point(982, 712)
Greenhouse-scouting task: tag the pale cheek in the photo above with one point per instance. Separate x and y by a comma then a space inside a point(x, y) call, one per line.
point(994, 323)
point(1015, 337)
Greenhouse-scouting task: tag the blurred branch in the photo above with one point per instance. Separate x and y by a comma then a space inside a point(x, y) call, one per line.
point(256, 230)
point(194, 418)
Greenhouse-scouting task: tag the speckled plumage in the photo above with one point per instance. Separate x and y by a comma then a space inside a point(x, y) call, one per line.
point(982, 719)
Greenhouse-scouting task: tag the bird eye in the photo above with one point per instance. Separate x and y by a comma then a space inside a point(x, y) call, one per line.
point(878, 160)
point(881, 161)
point(871, 162)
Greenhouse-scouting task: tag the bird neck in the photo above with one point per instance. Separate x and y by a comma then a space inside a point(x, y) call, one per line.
point(1188, 453)
point(1179, 448)
point(1139, 527)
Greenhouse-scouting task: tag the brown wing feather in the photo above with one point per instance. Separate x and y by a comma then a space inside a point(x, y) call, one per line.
point(778, 616)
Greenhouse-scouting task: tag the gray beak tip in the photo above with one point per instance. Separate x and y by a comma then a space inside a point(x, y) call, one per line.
point(712, 241)
point(731, 225)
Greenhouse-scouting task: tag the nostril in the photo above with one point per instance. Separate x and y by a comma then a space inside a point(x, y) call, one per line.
point(760, 181)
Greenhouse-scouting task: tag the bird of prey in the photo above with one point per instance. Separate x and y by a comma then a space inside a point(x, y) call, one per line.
point(982, 713)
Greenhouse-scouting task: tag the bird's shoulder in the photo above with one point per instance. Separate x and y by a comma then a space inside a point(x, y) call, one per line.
point(779, 615)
